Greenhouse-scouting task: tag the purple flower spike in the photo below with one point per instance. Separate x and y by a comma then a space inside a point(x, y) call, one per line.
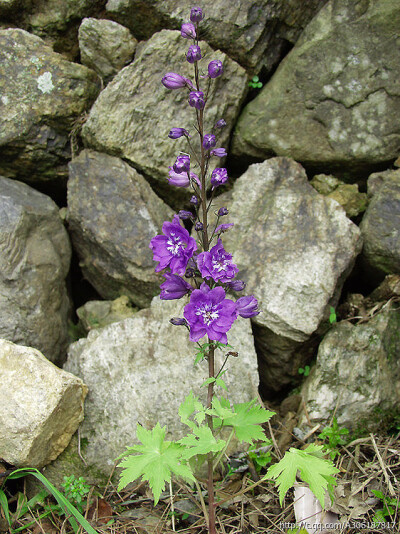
point(223, 228)
point(219, 152)
point(247, 307)
point(178, 321)
point(209, 313)
point(209, 141)
point(220, 124)
point(173, 249)
point(183, 215)
point(174, 287)
point(188, 31)
point(194, 54)
point(237, 285)
point(178, 179)
point(219, 176)
point(196, 99)
point(171, 80)
point(175, 133)
point(217, 264)
point(196, 14)
point(223, 211)
point(215, 68)
point(182, 164)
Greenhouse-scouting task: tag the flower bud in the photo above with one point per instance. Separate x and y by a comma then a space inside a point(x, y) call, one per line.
point(237, 285)
point(219, 152)
point(223, 211)
point(247, 307)
point(189, 272)
point(178, 179)
point(209, 141)
point(219, 176)
point(183, 215)
point(215, 68)
point(196, 99)
point(196, 14)
point(178, 321)
point(188, 31)
point(198, 226)
point(194, 54)
point(182, 164)
point(175, 133)
point(171, 80)
point(220, 124)
point(194, 200)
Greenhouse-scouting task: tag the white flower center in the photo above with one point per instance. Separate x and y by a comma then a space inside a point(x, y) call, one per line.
point(208, 313)
point(174, 244)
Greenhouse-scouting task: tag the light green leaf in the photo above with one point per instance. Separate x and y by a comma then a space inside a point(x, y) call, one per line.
point(201, 441)
point(208, 381)
point(220, 409)
point(189, 406)
point(315, 470)
point(157, 460)
point(219, 382)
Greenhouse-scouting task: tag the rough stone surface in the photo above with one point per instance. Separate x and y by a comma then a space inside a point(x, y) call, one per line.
point(357, 374)
point(105, 46)
point(294, 248)
point(99, 313)
point(380, 228)
point(42, 406)
point(113, 214)
point(34, 262)
point(146, 367)
point(252, 33)
point(42, 94)
point(346, 113)
point(133, 115)
point(347, 195)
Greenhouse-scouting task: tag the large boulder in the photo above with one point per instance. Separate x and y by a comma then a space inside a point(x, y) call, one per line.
point(380, 226)
point(357, 374)
point(252, 33)
point(113, 214)
point(133, 115)
point(145, 364)
point(35, 254)
point(294, 248)
point(41, 406)
point(105, 46)
point(42, 95)
point(341, 115)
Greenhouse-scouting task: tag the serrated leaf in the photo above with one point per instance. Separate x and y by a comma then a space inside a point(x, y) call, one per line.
point(208, 381)
point(188, 407)
point(157, 460)
point(201, 441)
point(314, 470)
point(246, 420)
point(219, 382)
point(220, 410)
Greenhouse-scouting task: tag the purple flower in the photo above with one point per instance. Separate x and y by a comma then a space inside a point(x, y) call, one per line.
point(194, 200)
point(237, 285)
point(175, 133)
point(178, 321)
point(210, 313)
point(223, 211)
point(171, 80)
point(198, 226)
point(180, 179)
point(219, 152)
point(209, 141)
point(196, 99)
point(173, 249)
point(188, 31)
point(247, 306)
point(174, 287)
point(183, 215)
point(215, 68)
point(194, 54)
point(217, 264)
point(219, 176)
point(220, 124)
point(196, 14)
point(182, 164)
point(223, 228)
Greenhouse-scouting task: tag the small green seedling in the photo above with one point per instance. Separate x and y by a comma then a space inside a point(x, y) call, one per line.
point(390, 506)
point(76, 491)
point(334, 436)
point(255, 83)
point(332, 315)
point(260, 457)
point(304, 371)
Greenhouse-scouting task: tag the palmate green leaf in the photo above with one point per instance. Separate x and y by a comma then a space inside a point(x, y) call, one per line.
point(201, 441)
point(315, 470)
point(190, 406)
point(157, 460)
point(221, 409)
point(246, 420)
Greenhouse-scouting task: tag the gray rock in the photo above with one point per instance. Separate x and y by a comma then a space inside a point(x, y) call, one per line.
point(357, 375)
point(42, 406)
point(34, 262)
point(133, 115)
point(42, 94)
point(347, 195)
point(105, 46)
point(343, 114)
point(380, 228)
point(113, 214)
point(294, 248)
point(254, 34)
point(99, 313)
point(146, 367)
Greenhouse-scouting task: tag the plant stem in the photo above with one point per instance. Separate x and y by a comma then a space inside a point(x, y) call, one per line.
point(210, 456)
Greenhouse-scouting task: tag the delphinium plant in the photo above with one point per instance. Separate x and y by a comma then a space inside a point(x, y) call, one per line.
point(204, 273)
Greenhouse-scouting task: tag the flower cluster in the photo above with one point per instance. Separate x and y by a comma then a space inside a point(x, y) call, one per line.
point(210, 269)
